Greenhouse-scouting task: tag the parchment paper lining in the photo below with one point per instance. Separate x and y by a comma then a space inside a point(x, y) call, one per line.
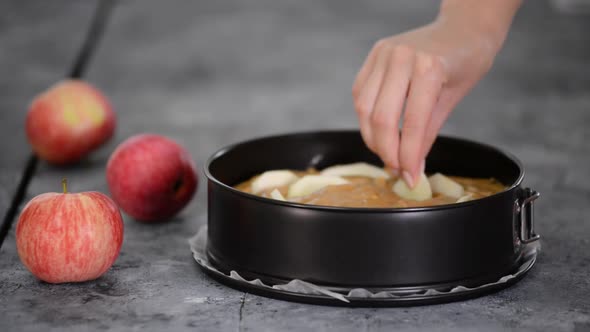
point(198, 244)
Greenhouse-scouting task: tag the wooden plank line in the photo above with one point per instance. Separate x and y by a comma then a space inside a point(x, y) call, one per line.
point(87, 49)
point(18, 197)
point(241, 311)
point(95, 32)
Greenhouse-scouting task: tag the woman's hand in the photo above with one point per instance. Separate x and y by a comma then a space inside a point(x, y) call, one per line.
point(421, 75)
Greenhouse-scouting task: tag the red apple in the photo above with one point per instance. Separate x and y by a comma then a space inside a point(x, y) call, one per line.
point(68, 121)
point(69, 237)
point(151, 177)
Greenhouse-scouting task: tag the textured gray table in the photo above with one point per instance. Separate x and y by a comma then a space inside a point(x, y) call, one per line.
point(212, 73)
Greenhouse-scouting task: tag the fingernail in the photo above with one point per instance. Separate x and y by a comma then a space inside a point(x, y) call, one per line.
point(393, 171)
point(408, 178)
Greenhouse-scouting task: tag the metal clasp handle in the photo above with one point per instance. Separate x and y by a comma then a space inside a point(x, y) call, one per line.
point(527, 220)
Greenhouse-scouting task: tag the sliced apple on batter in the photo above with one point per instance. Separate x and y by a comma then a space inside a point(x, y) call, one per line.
point(465, 198)
point(276, 194)
point(420, 192)
point(444, 185)
point(312, 183)
point(273, 179)
point(356, 169)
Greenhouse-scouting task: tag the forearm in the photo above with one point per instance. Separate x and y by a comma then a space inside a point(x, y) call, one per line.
point(491, 18)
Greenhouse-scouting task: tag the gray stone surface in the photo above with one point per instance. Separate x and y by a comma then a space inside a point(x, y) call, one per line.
point(213, 73)
point(37, 49)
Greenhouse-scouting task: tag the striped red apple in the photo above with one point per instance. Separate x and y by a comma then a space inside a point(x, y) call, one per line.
point(68, 121)
point(69, 237)
point(151, 177)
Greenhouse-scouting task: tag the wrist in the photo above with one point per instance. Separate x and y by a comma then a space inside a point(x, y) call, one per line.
point(489, 20)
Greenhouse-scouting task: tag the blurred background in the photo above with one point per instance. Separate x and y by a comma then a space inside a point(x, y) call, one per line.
point(211, 73)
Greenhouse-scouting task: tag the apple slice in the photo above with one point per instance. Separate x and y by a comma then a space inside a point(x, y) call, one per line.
point(312, 183)
point(465, 198)
point(356, 169)
point(273, 179)
point(420, 192)
point(276, 194)
point(444, 185)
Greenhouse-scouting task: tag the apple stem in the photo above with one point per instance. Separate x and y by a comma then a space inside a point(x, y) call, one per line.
point(64, 184)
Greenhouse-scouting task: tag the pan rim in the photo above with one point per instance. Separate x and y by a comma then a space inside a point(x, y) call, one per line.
point(231, 189)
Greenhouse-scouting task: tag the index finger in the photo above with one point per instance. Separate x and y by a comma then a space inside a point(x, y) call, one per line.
point(423, 94)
